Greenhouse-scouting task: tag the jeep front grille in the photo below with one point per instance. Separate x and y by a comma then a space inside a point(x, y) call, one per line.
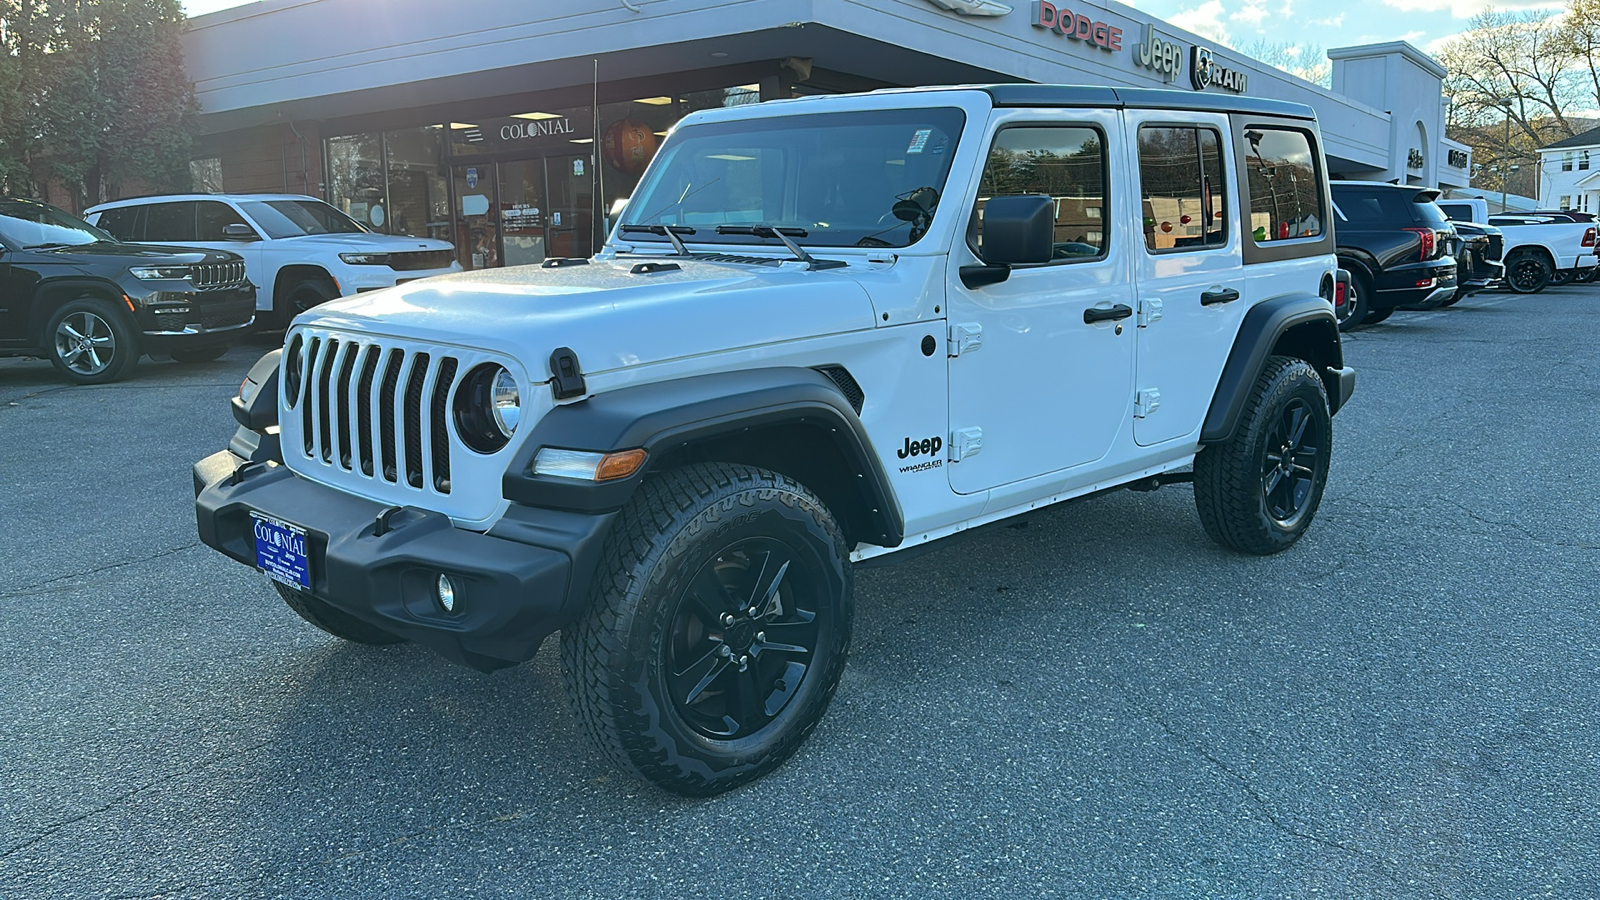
point(216, 276)
point(418, 260)
point(374, 416)
point(337, 427)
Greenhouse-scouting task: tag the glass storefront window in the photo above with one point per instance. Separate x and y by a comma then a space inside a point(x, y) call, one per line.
point(355, 177)
point(419, 197)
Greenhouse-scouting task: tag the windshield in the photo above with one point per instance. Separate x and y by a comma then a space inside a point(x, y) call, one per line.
point(296, 218)
point(26, 224)
point(838, 177)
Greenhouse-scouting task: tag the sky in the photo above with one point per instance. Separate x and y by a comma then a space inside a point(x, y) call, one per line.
point(1239, 23)
point(1424, 23)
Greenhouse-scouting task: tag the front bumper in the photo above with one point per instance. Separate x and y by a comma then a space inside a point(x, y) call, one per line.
point(170, 320)
point(514, 586)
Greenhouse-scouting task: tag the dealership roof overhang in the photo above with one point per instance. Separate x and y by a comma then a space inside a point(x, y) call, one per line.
point(297, 60)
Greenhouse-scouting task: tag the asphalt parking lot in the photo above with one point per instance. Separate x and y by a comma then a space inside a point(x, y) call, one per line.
point(1099, 703)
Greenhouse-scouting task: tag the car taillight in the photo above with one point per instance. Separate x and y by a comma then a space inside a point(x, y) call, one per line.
point(1588, 238)
point(1339, 298)
point(1429, 241)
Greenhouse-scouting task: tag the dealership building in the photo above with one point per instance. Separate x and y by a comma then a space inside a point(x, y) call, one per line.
point(509, 128)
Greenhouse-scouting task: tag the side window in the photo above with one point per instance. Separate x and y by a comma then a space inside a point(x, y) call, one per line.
point(213, 216)
point(169, 223)
point(1183, 194)
point(1285, 188)
point(1065, 163)
point(119, 222)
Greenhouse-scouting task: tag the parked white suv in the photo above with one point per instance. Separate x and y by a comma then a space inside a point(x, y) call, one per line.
point(826, 331)
point(298, 251)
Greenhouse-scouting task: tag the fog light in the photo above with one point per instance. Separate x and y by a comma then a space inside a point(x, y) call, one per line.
point(447, 594)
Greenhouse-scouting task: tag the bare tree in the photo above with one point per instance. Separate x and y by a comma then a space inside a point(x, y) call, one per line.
point(1308, 61)
point(1512, 64)
point(1579, 38)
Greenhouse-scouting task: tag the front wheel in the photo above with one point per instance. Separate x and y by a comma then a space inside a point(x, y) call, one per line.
point(91, 342)
point(717, 630)
point(302, 296)
point(1258, 491)
point(1527, 273)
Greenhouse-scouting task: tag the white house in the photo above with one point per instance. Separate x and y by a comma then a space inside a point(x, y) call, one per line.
point(1569, 173)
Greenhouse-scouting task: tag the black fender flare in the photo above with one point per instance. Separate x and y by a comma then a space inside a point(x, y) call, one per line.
point(52, 294)
point(1315, 337)
point(674, 416)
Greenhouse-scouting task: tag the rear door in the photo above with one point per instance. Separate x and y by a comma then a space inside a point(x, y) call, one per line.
point(1034, 382)
point(1190, 277)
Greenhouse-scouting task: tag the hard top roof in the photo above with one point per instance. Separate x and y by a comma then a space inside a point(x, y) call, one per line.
point(1102, 97)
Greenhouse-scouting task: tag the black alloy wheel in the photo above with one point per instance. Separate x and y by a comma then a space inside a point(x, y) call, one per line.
point(1565, 276)
point(1291, 463)
point(1527, 274)
point(742, 640)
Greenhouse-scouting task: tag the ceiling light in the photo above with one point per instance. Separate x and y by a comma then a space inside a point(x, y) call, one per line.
point(655, 101)
point(536, 116)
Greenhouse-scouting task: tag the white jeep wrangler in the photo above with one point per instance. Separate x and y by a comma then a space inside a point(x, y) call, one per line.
point(825, 331)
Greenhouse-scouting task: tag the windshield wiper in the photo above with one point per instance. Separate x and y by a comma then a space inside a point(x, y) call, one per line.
point(48, 245)
point(670, 231)
point(783, 234)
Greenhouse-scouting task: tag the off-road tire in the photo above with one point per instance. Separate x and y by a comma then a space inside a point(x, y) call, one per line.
point(1232, 479)
point(684, 545)
point(109, 328)
point(1527, 273)
point(334, 621)
point(1357, 301)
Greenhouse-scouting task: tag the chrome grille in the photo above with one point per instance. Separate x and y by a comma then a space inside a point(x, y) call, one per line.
point(214, 276)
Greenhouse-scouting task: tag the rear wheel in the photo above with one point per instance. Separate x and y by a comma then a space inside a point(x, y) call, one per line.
point(1564, 276)
point(1527, 273)
point(334, 621)
point(1258, 492)
point(718, 628)
point(91, 342)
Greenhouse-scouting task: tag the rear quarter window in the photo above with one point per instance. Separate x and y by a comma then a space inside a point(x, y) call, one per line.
point(120, 222)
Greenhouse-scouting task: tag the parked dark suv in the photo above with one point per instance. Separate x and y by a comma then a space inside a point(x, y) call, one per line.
point(1398, 247)
point(93, 305)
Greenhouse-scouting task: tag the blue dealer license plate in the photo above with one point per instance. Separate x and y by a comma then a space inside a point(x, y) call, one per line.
point(281, 551)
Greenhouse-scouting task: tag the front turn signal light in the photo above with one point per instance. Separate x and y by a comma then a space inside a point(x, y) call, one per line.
point(586, 465)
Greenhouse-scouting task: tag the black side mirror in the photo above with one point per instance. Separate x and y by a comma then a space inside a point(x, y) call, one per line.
point(1018, 230)
point(239, 231)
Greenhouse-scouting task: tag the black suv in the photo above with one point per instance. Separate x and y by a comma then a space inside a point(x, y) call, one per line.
point(1397, 245)
point(93, 305)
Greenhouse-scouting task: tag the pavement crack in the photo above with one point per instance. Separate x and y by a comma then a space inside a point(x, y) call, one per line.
point(95, 571)
point(129, 795)
point(1531, 536)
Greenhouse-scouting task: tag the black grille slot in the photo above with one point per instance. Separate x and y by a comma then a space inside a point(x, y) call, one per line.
point(369, 370)
point(1496, 246)
point(227, 313)
point(417, 260)
point(386, 422)
point(346, 371)
point(307, 421)
point(744, 260)
point(841, 376)
point(441, 431)
point(324, 375)
point(413, 419)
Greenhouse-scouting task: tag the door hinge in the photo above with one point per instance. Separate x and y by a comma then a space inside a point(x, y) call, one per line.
point(965, 337)
point(1146, 402)
point(1149, 312)
point(965, 442)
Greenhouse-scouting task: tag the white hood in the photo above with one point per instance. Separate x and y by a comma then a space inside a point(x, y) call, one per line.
point(384, 243)
point(609, 316)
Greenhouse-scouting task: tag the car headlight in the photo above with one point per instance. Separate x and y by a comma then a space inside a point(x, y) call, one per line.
point(488, 407)
point(160, 273)
point(365, 259)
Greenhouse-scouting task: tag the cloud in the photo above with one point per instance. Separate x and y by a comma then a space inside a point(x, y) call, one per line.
point(1466, 9)
point(1204, 20)
point(1250, 14)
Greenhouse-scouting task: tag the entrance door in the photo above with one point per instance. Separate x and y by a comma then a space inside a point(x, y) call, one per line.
point(570, 229)
point(477, 244)
point(523, 212)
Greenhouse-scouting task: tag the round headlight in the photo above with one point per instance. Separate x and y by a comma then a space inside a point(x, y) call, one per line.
point(488, 406)
point(507, 402)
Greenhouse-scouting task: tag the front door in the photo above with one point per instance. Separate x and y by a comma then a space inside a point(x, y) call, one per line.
point(477, 244)
point(1044, 386)
point(570, 230)
point(523, 212)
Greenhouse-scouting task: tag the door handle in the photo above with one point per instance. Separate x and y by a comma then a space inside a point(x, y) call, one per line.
point(1100, 314)
point(1211, 298)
